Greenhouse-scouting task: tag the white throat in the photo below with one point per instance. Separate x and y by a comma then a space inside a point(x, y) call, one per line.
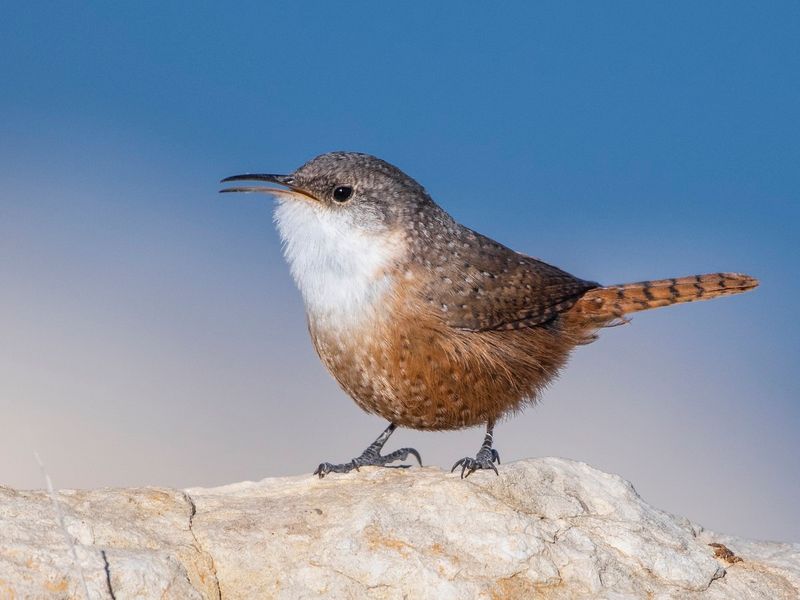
point(342, 272)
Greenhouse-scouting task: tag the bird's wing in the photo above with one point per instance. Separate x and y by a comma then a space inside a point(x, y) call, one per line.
point(484, 286)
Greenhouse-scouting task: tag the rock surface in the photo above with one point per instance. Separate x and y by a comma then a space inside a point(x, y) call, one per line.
point(545, 528)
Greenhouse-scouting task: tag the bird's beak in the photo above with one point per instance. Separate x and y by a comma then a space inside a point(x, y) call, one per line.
point(283, 180)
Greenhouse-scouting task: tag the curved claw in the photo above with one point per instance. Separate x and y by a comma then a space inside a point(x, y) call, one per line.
point(413, 453)
point(465, 463)
point(470, 465)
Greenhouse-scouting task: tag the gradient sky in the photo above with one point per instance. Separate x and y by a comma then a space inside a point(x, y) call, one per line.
point(149, 330)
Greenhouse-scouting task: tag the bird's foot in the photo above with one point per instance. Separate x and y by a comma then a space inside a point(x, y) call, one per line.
point(370, 458)
point(485, 459)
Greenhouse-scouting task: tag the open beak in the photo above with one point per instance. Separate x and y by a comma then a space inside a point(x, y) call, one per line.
point(283, 180)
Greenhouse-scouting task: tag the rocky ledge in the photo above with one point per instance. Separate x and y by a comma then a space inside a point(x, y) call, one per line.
point(545, 528)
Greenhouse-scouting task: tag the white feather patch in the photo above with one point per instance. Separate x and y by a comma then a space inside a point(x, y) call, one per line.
point(342, 271)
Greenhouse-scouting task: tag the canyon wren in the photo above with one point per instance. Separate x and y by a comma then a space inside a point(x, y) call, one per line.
point(427, 323)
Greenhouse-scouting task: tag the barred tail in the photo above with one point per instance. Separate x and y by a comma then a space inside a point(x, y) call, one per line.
point(608, 304)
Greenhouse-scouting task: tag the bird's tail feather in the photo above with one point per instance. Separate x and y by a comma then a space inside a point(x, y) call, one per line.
point(606, 305)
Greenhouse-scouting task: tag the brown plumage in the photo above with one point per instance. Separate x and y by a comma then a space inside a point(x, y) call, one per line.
point(414, 369)
point(427, 323)
point(601, 306)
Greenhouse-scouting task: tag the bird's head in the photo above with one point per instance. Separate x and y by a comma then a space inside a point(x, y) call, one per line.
point(348, 189)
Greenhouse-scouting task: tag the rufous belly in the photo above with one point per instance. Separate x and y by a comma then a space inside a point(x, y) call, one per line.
point(416, 372)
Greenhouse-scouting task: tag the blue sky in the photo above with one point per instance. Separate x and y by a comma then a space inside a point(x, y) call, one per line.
point(152, 334)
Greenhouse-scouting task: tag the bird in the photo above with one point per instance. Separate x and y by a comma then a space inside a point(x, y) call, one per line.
point(427, 323)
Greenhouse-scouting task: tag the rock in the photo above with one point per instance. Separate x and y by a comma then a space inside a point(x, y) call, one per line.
point(546, 528)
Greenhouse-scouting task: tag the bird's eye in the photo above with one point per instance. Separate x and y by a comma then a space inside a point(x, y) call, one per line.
point(342, 193)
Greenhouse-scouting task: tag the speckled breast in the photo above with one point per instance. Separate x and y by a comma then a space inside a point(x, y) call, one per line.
point(413, 370)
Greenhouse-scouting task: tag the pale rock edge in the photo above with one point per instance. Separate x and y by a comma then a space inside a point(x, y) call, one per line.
point(545, 528)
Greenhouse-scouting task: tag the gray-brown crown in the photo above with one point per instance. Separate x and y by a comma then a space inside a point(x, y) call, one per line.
point(382, 195)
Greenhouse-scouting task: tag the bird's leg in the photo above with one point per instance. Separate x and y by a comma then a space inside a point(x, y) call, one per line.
point(485, 458)
point(371, 456)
